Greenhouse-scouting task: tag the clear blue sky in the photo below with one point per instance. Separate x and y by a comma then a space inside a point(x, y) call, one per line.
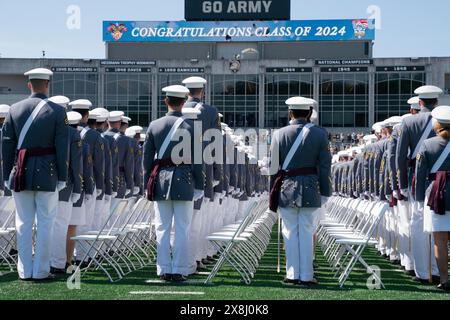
point(409, 28)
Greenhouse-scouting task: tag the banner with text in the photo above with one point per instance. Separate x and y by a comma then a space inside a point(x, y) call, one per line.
point(239, 31)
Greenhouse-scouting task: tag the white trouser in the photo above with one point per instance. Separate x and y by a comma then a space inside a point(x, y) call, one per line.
point(242, 206)
point(404, 232)
point(180, 212)
point(195, 237)
point(298, 231)
point(382, 235)
point(99, 214)
point(42, 206)
point(90, 211)
point(421, 244)
point(205, 211)
point(59, 238)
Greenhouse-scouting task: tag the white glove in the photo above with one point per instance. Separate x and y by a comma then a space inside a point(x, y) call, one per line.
point(230, 188)
point(404, 192)
point(6, 184)
point(114, 194)
point(107, 197)
point(355, 193)
point(198, 194)
point(88, 197)
point(127, 191)
point(99, 192)
point(420, 206)
point(224, 193)
point(324, 200)
point(2, 193)
point(136, 190)
point(215, 183)
point(395, 194)
point(61, 185)
point(75, 197)
point(389, 198)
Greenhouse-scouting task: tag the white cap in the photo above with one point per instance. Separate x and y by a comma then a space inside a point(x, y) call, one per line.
point(392, 121)
point(102, 112)
point(377, 127)
point(142, 138)
point(137, 129)
point(93, 115)
point(73, 117)
point(220, 115)
point(370, 138)
point(39, 73)
point(101, 115)
point(81, 104)
point(130, 132)
point(428, 92)
point(223, 125)
point(63, 101)
point(335, 159)
point(300, 103)
point(414, 102)
point(126, 119)
point(176, 91)
point(4, 110)
point(194, 82)
point(441, 114)
point(115, 116)
point(343, 153)
point(190, 113)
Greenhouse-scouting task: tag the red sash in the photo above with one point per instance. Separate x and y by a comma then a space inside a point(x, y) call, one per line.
point(157, 166)
point(436, 200)
point(22, 156)
point(278, 182)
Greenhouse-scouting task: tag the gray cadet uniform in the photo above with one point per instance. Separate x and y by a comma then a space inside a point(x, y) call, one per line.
point(173, 194)
point(125, 163)
point(37, 199)
point(114, 150)
point(300, 195)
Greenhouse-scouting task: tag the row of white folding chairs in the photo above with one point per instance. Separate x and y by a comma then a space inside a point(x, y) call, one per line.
point(349, 227)
point(7, 232)
point(124, 243)
point(243, 243)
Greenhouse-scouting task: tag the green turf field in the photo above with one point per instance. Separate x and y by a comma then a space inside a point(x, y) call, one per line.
point(266, 285)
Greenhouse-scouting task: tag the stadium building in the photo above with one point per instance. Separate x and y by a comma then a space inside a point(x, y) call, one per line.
point(253, 56)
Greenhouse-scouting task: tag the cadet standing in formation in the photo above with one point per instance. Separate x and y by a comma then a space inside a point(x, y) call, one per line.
point(36, 131)
point(300, 171)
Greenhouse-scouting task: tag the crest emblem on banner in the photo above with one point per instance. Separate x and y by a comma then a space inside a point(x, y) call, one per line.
point(360, 27)
point(117, 30)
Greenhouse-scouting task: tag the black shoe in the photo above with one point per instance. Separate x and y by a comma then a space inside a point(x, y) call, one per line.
point(206, 262)
point(396, 262)
point(436, 279)
point(444, 287)
point(57, 270)
point(82, 265)
point(385, 256)
point(421, 281)
point(201, 266)
point(25, 279)
point(178, 278)
point(210, 259)
point(13, 252)
point(410, 273)
point(216, 256)
point(311, 283)
point(50, 277)
point(290, 281)
point(166, 277)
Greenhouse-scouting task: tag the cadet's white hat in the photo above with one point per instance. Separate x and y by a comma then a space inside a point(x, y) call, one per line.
point(428, 92)
point(126, 119)
point(300, 103)
point(343, 153)
point(137, 129)
point(194, 82)
point(176, 91)
point(39, 73)
point(335, 158)
point(220, 115)
point(4, 110)
point(223, 125)
point(130, 132)
point(102, 112)
point(61, 100)
point(414, 102)
point(81, 104)
point(190, 113)
point(392, 121)
point(142, 139)
point(93, 115)
point(73, 117)
point(377, 127)
point(441, 114)
point(115, 116)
